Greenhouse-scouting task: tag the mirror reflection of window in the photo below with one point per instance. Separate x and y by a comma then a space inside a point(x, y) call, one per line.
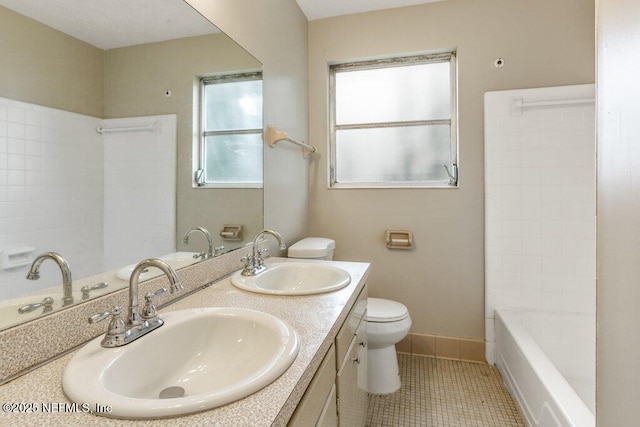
point(230, 145)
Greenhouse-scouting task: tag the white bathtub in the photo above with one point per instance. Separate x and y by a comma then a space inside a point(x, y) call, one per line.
point(547, 361)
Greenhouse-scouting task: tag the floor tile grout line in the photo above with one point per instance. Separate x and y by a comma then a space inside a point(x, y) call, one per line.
point(442, 392)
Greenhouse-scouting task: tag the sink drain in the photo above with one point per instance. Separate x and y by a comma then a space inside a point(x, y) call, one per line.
point(171, 392)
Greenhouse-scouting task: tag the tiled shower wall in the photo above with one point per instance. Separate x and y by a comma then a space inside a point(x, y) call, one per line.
point(63, 190)
point(539, 203)
point(50, 190)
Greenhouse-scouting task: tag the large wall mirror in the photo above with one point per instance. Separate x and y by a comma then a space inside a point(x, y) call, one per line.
point(100, 137)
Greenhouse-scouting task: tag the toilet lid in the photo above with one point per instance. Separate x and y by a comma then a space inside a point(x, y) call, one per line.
point(311, 247)
point(384, 310)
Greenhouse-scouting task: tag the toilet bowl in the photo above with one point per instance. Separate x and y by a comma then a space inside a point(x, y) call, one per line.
point(388, 322)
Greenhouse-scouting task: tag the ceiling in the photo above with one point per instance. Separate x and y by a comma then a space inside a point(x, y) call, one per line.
point(318, 9)
point(93, 21)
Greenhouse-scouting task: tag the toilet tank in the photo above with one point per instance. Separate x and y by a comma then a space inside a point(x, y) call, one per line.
point(312, 248)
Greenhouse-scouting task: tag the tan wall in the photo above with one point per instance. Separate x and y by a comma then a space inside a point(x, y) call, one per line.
point(618, 270)
point(43, 66)
point(275, 32)
point(136, 79)
point(543, 43)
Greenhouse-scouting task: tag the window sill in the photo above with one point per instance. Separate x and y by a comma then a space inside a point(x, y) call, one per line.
point(387, 186)
point(247, 186)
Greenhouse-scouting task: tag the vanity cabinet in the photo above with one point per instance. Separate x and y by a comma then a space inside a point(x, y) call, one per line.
point(337, 393)
point(316, 404)
point(351, 368)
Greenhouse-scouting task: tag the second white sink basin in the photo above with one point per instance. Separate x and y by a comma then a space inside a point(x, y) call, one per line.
point(294, 278)
point(175, 260)
point(199, 359)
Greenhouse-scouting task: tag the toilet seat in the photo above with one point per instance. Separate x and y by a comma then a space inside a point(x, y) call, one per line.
point(384, 311)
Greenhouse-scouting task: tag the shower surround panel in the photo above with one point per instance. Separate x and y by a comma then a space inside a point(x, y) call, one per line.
point(539, 202)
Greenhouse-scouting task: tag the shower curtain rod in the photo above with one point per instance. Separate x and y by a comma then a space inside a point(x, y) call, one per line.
point(517, 104)
point(148, 128)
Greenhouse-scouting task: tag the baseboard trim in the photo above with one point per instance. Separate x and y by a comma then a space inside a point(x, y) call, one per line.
point(470, 350)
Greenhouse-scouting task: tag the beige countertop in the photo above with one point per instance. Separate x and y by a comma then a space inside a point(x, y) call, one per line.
point(316, 318)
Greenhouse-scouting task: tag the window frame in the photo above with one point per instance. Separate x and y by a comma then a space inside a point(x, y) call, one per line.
point(202, 134)
point(452, 167)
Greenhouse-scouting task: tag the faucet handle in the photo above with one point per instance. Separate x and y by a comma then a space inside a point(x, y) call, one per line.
point(149, 310)
point(86, 289)
point(261, 254)
point(99, 317)
point(116, 325)
point(116, 332)
point(47, 303)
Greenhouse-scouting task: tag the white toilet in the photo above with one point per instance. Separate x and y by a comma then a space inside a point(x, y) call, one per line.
point(388, 322)
point(312, 248)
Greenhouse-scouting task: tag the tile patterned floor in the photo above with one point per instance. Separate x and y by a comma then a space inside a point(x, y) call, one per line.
point(445, 393)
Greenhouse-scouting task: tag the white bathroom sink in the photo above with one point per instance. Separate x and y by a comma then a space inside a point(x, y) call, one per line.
point(294, 278)
point(175, 260)
point(199, 359)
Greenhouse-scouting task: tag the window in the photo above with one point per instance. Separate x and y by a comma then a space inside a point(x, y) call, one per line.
point(230, 137)
point(393, 123)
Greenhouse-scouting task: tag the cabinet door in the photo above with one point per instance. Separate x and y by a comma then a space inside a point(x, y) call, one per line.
point(348, 330)
point(329, 415)
point(352, 395)
point(321, 389)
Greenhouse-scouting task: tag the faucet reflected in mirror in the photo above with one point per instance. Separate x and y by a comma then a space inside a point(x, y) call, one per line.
point(46, 303)
point(55, 129)
point(201, 255)
point(34, 274)
point(86, 290)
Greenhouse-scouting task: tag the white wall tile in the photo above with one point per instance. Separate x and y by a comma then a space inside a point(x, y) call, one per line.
point(540, 204)
point(16, 114)
point(26, 177)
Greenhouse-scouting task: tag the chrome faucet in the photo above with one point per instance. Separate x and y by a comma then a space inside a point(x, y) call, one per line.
point(34, 274)
point(254, 263)
point(206, 233)
point(134, 308)
point(120, 333)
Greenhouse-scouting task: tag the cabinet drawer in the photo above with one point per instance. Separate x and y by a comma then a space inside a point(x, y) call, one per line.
point(344, 337)
point(313, 402)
